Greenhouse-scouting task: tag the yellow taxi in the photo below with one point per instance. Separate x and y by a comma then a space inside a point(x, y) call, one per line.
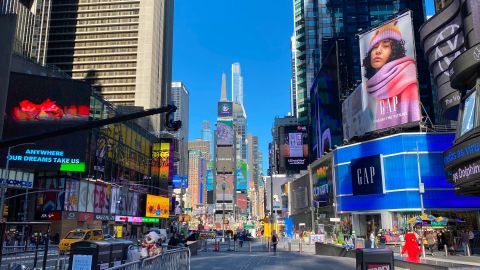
point(79, 235)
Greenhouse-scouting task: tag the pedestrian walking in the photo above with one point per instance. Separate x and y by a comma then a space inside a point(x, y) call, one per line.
point(274, 242)
point(431, 242)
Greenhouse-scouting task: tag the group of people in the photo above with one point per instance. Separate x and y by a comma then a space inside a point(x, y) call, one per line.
point(241, 237)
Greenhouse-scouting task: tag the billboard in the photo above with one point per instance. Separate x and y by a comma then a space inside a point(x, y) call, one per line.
point(367, 175)
point(241, 171)
point(225, 159)
point(293, 148)
point(157, 206)
point(162, 164)
point(442, 39)
point(225, 109)
point(209, 180)
point(322, 184)
point(389, 91)
point(229, 187)
point(225, 132)
point(325, 104)
point(177, 181)
point(36, 105)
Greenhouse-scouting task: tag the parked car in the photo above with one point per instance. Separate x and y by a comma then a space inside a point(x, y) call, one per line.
point(79, 235)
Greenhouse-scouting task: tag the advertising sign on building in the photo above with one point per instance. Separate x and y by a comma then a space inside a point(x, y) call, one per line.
point(38, 104)
point(177, 181)
point(225, 159)
point(442, 39)
point(157, 206)
point(227, 194)
point(389, 94)
point(367, 175)
point(225, 109)
point(225, 132)
point(322, 184)
point(293, 148)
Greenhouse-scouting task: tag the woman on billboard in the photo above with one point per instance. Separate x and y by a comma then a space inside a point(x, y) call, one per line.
point(391, 78)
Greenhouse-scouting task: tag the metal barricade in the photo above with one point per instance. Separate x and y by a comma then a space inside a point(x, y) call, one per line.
point(172, 259)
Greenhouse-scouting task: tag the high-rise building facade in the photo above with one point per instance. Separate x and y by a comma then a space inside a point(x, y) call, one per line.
point(318, 23)
point(123, 48)
point(237, 84)
point(207, 134)
point(240, 127)
point(253, 156)
point(33, 19)
point(180, 98)
point(199, 154)
point(293, 81)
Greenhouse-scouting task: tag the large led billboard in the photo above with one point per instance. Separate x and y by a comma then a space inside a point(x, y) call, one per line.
point(36, 105)
point(229, 187)
point(389, 91)
point(327, 120)
point(225, 132)
point(157, 206)
point(241, 172)
point(322, 183)
point(225, 109)
point(293, 148)
point(225, 159)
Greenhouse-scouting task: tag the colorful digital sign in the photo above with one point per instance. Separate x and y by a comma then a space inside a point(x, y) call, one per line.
point(389, 94)
point(225, 109)
point(227, 193)
point(293, 148)
point(322, 184)
point(225, 132)
point(38, 104)
point(157, 206)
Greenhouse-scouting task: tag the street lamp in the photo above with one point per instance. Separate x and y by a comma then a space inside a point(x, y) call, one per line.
point(224, 186)
point(4, 182)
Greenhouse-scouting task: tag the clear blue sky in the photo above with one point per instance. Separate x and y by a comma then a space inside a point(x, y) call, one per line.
point(211, 35)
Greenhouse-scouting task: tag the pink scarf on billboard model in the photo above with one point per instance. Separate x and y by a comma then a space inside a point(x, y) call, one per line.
point(395, 89)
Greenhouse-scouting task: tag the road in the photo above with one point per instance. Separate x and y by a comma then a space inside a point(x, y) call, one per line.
point(264, 260)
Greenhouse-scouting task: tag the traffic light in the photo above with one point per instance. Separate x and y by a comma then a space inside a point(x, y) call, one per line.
point(170, 122)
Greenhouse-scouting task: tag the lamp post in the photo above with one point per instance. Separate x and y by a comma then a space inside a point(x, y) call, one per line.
point(5, 176)
point(224, 186)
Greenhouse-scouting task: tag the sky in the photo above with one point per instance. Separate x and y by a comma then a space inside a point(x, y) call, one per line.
point(211, 35)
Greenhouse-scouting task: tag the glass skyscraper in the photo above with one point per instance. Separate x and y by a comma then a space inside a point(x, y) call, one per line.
point(237, 84)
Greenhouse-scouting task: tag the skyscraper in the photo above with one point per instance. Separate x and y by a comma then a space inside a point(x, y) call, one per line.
point(180, 98)
point(293, 81)
point(237, 84)
point(318, 23)
point(207, 134)
point(32, 27)
point(123, 49)
point(199, 154)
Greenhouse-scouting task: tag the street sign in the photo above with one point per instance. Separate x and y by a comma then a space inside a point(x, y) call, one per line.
point(188, 209)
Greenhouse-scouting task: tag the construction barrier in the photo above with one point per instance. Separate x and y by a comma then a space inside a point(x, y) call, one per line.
point(172, 259)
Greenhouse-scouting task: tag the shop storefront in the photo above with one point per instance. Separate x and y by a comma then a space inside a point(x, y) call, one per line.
point(381, 184)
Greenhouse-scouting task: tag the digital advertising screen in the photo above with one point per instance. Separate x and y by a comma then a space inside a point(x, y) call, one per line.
point(327, 120)
point(157, 206)
point(322, 184)
point(293, 148)
point(225, 109)
point(229, 187)
point(389, 92)
point(225, 132)
point(36, 105)
point(242, 175)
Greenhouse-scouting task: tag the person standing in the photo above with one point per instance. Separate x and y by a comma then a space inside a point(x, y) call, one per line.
point(274, 242)
point(372, 240)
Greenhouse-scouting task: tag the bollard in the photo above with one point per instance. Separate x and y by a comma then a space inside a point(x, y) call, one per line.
point(268, 244)
point(446, 250)
point(423, 250)
point(300, 247)
point(289, 246)
point(467, 249)
point(250, 246)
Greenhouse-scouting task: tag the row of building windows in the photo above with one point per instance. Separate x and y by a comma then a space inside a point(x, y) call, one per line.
point(108, 13)
point(105, 74)
point(105, 43)
point(118, 96)
point(105, 65)
point(107, 21)
point(107, 35)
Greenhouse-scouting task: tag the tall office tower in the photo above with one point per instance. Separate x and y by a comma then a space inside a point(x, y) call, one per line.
point(201, 154)
point(33, 19)
point(237, 84)
point(194, 179)
point(225, 158)
point(253, 160)
point(123, 48)
point(180, 98)
point(207, 134)
point(240, 127)
point(318, 23)
point(293, 81)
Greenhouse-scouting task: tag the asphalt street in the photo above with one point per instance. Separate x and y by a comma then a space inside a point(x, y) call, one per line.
point(265, 260)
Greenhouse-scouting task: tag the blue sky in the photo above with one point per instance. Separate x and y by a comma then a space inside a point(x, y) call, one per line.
point(211, 35)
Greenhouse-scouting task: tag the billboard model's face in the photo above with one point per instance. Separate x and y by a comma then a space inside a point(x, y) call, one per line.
point(380, 54)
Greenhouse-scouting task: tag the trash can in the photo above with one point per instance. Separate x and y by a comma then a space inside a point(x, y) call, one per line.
point(94, 255)
point(119, 251)
point(375, 259)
